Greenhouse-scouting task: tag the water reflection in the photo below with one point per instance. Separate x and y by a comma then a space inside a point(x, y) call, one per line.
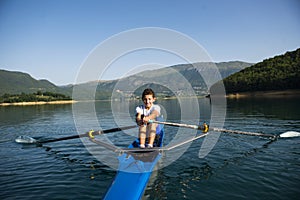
point(22, 114)
point(280, 108)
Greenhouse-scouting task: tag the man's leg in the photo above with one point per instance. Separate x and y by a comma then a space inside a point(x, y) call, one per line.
point(142, 135)
point(152, 133)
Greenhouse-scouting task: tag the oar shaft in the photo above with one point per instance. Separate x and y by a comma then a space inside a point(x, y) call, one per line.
point(116, 129)
point(64, 138)
point(88, 134)
point(243, 132)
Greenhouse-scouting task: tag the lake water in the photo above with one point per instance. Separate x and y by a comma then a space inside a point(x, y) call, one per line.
point(238, 167)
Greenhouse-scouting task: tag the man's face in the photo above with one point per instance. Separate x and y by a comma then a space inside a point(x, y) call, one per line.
point(148, 100)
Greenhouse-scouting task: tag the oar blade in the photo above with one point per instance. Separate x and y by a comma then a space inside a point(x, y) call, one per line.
point(289, 134)
point(24, 139)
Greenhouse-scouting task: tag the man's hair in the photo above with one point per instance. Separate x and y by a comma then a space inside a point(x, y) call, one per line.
point(148, 91)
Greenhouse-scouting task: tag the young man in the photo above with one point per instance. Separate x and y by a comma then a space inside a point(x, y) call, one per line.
point(143, 114)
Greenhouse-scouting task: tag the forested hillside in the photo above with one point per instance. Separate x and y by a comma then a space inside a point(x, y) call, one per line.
point(278, 73)
point(18, 82)
point(35, 97)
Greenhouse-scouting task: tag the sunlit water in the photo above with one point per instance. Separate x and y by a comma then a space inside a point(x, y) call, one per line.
point(238, 167)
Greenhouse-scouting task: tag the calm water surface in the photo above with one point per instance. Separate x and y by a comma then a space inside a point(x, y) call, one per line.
point(238, 167)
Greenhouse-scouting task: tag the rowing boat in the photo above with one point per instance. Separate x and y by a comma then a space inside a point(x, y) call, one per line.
point(134, 171)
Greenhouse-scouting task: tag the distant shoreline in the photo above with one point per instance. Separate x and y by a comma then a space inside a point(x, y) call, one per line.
point(38, 103)
point(266, 94)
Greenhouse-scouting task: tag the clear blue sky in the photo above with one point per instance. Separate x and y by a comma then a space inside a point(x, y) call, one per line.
point(50, 39)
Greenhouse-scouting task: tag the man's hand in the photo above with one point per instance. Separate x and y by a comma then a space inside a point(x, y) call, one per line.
point(139, 120)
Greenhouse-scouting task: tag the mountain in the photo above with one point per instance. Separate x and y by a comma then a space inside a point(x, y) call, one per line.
point(168, 81)
point(281, 72)
point(18, 82)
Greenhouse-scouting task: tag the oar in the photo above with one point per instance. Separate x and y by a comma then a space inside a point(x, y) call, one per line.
point(205, 129)
point(29, 140)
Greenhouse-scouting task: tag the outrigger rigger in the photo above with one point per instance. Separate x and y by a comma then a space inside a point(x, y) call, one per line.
point(136, 165)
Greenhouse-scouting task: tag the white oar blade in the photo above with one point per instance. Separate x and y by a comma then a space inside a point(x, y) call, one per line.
point(289, 134)
point(23, 139)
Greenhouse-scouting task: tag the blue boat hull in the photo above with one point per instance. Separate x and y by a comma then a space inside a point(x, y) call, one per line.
point(134, 172)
